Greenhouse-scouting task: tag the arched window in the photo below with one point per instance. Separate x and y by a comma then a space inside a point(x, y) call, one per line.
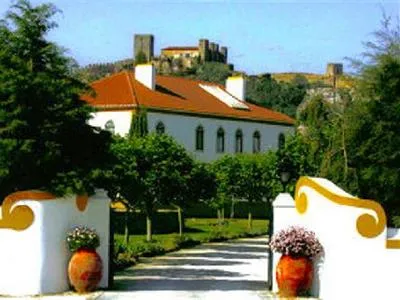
point(239, 141)
point(160, 128)
point(200, 138)
point(220, 140)
point(256, 142)
point(110, 126)
point(281, 141)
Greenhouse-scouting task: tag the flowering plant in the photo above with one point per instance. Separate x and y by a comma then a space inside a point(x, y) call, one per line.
point(296, 241)
point(82, 237)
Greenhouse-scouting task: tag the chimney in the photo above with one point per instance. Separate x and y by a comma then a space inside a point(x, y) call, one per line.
point(236, 86)
point(146, 74)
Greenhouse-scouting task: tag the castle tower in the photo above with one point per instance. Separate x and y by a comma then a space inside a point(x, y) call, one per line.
point(213, 52)
point(144, 43)
point(334, 69)
point(204, 50)
point(224, 54)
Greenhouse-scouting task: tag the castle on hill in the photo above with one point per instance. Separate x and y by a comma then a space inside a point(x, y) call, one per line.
point(179, 58)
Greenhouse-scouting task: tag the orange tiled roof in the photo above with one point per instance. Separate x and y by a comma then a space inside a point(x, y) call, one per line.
point(173, 94)
point(178, 48)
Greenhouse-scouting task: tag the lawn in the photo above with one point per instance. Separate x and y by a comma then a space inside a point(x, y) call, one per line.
point(197, 231)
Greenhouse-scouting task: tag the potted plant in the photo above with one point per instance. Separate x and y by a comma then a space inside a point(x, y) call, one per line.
point(85, 267)
point(295, 268)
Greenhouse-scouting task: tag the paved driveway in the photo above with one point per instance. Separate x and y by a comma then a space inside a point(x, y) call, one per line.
point(226, 271)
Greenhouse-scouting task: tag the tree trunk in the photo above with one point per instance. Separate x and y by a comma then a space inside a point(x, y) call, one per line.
point(250, 221)
point(148, 228)
point(126, 236)
point(180, 221)
point(219, 216)
point(223, 214)
point(232, 214)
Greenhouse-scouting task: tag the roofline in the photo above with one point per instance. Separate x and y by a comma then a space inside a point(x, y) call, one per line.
point(181, 48)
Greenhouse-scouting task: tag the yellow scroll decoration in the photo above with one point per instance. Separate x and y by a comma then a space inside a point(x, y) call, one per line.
point(367, 224)
point(21, 217)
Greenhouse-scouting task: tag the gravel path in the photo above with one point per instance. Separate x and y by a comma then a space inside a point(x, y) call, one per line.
point(229, 270)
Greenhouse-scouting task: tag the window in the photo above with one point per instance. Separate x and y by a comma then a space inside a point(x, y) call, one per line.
point(256, 142)
point(110, 126)
point(281, 141)
point(220, 140)
point(200, 138)
point(239, 141)
point(160, 128)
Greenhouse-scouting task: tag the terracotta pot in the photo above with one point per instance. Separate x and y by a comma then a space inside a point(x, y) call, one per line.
point(293, 275)
point(85, 270)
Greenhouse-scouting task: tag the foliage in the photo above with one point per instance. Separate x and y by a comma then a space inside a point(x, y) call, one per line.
point(296, 241)
point(227, 170)
point(152, 170)
point(96, 71)
point(123, 179)
point(45, 141)
point(139, 127)
point(213, 72)
point(376, 116)
point(82, 237)
point(281, 96)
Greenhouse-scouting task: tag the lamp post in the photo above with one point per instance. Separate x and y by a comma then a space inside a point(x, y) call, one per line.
point(285, 176)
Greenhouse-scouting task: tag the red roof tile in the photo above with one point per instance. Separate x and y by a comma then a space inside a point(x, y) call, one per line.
point(173, 94)
point(179, 48)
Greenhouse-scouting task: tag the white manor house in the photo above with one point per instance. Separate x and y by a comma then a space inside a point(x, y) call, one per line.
point(208, 119)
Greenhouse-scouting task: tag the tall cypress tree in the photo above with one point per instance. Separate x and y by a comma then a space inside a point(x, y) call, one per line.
point(45, 141)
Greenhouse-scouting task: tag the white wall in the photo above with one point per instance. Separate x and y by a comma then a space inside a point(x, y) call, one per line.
point(35, 261)
point(353, 266)
point(122, 120)
point(183, 129)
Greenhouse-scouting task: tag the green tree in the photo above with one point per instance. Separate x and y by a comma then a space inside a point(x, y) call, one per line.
point(122, 180)
point(45, 141)
point(284, 97)
point(213, 72)
point(376, 116)
point(251, 184)
point(139, 127)
point(199, 186)
point(226, 170)
point(164, 168)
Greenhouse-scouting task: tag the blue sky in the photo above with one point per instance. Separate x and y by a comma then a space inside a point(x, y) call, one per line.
point(261, 36)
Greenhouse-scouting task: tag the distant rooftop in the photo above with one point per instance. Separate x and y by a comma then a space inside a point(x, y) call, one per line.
point(181, 48)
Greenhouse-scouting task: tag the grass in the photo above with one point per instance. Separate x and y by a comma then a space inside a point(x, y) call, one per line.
point(197, 231)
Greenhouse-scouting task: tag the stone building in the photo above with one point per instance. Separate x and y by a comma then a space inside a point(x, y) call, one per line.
point(334, 69)
point(179, 58)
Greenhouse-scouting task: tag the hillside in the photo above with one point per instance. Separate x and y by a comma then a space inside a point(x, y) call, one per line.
point(343, 81)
